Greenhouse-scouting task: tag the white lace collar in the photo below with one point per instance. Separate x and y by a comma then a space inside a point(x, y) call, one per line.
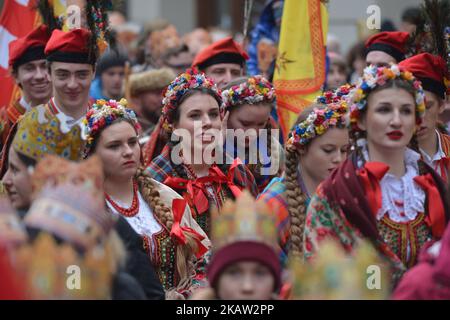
point(402, 198)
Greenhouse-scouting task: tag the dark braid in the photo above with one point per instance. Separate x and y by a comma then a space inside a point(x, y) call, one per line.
point(296, 200)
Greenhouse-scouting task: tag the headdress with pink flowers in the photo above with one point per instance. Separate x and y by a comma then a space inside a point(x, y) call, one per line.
point(189, 80)
point(374, 77)
point(255, 90)
point(320, 120)
point(102, 114)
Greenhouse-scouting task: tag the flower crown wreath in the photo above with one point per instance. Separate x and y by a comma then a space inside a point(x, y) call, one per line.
point(190, 79)
point(374, 77)
point(256, 89)
point(320, 120)
point(102, 114)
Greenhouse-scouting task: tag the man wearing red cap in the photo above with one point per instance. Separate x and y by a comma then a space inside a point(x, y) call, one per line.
point(222, 61)
point(27, 63)
point(386, 47)
point(72, 69)
point(434, 145)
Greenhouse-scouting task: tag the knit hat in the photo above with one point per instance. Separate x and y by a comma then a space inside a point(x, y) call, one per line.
point(110, 59)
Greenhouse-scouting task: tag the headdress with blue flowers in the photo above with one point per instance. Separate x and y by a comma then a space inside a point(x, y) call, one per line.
point(374, 77)
point(320, 120)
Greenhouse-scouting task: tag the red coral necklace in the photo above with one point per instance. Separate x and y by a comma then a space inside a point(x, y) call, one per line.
point(133, 209)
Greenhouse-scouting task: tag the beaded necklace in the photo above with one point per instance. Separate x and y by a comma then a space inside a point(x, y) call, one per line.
point(133, 209)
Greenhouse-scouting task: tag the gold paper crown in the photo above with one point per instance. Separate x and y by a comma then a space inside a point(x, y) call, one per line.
point(40, 133)
point(335, 275)
point(50, 271)
point(12, 232)
point(243, 220)
point(71, 204)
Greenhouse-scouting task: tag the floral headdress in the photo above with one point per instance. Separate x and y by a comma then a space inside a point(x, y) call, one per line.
point(191, 79)
point(255, 90)
point(102, 114)
point(374, 77)
point(320, 120)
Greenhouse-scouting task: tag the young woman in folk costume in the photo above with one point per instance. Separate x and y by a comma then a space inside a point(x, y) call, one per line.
point(317, 145)
point(192, 102)
point(172, 238)
point(249, 102)
point(383, 192)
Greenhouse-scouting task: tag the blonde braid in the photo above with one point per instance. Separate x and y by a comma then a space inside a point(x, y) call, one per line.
point(184, 253)
point(296, 200)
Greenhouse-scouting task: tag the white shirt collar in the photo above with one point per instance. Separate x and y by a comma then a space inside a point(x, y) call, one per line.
point(438, 155)
point(68, 122)
point(25, 104)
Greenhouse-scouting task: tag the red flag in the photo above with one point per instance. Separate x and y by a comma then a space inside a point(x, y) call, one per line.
point(18, 17)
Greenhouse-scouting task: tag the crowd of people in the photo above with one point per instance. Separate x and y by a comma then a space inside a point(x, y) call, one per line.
point(154, 169)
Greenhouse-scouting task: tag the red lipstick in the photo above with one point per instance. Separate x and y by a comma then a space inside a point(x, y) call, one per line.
point(395, 135)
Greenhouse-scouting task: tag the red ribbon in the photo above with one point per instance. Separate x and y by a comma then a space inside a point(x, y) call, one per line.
point(371, 175)
point(196, 189)
point(178, 232)
point(436, 212)
point(220, 177)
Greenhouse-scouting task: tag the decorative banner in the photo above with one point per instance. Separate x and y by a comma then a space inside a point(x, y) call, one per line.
point(300, 66)
point(18, 17)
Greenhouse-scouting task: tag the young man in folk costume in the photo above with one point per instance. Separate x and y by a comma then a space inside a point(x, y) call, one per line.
point(71, 68)
point(435, 146)
point(386, 47)
point(28, 65)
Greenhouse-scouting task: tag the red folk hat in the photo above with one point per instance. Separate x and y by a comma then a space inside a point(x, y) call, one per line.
point(28, 48)
point(431, 70)
point(71, 46)
point(391, 42)
point(223, 51)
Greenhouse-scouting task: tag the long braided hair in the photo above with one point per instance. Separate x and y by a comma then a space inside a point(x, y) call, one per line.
point(184, 253)
point(295, 197)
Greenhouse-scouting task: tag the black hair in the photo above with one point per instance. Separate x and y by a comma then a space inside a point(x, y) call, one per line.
point(412, 15)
